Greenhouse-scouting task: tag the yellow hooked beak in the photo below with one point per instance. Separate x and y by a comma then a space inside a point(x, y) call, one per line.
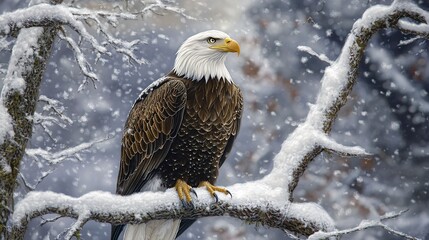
point(229, 45)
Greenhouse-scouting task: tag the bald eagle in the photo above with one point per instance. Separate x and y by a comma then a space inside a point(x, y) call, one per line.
point(180, 131)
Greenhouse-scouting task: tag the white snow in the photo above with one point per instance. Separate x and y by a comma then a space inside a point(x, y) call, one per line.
point(329, 143)
point(312, 212)
point(150, 88)
point(141, 204)
point(23, 49)
point(6, 127)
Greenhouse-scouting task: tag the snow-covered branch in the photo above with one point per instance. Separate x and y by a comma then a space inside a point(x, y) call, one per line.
point(365, 224)
point(60, 15)
point(17, 104)
point(337, 82)
point(158, 6)
point(300, 218)
point(310, 51)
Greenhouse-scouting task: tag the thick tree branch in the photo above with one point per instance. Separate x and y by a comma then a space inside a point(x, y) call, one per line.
point(300, 218)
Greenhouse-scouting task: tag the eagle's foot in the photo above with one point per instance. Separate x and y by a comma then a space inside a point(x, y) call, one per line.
point(213, 189)
point(184, 192)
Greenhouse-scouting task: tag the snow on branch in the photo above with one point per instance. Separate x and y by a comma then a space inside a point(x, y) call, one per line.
point(310, 51)
point(54, 106)
point(52, 113)
point(159, 5)
point(268, 201)
point(331, 145)
point(365, 224)
point(336, 84)
point(60, 15)
point(301, 218)
point(66, 154)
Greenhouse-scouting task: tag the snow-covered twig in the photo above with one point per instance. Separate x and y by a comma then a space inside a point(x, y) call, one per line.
point(310, 51)
point(157, 5)
point(52, 113)
point(55, 106)
point(32, 187)
point(331, 145)
point(83, 64)
point(121, 46)
point(66, 154)
point(365, 224)
point(77, 226)
point(421, 30)
point(49, 220)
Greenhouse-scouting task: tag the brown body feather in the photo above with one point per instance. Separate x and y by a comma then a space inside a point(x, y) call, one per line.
point(182, 129)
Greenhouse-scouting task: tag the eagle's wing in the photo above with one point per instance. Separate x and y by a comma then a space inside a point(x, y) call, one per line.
point(186, 223)
point(151, 127)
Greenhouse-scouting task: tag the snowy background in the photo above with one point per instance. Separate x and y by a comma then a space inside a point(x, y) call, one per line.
point(387, 112)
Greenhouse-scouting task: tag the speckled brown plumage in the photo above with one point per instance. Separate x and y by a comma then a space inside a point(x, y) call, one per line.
point(182, 129)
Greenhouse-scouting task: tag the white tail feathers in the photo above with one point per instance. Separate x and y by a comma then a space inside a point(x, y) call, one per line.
point(153, 230)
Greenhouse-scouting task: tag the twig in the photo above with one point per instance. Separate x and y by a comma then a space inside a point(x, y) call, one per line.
point(365, 224)
point(66, 154)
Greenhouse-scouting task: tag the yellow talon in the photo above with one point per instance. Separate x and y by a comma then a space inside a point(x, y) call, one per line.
point(184, 192)
point(213, 189)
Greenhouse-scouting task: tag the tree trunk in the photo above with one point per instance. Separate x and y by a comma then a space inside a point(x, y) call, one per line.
point(28, 60)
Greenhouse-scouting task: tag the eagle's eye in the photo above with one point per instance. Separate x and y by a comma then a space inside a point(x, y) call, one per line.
point(211, 40)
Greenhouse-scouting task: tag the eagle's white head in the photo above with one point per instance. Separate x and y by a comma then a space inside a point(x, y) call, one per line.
point(203, 55)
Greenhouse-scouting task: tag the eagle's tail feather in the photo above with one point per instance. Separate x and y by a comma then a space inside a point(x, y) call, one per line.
point(153, 230)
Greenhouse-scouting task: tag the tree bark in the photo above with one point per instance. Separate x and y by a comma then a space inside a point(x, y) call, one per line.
point(20, 105)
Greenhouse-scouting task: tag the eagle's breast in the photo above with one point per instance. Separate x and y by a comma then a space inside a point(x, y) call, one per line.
point(209, 121)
